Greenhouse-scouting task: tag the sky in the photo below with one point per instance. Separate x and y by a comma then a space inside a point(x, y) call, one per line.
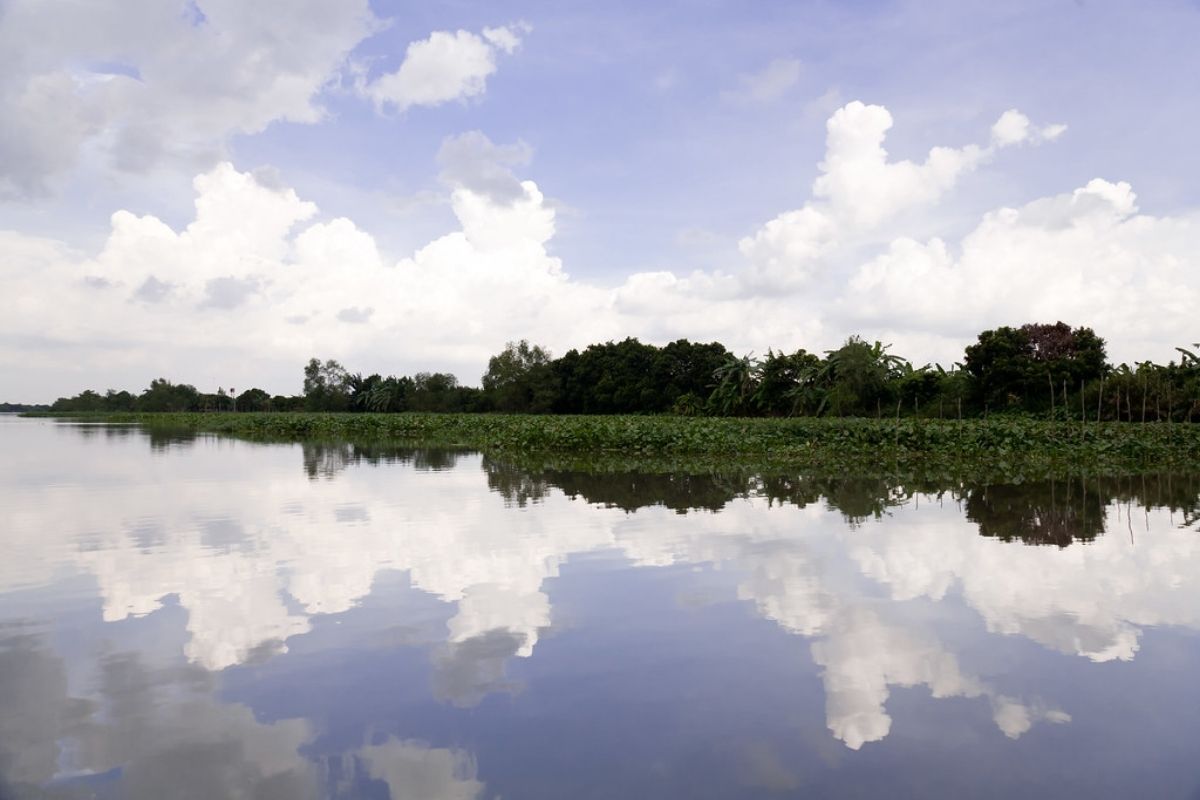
point(213, 191)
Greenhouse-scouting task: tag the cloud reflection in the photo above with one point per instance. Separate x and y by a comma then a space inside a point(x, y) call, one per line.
point(414, 771)
point(154, 732)
point(254, 548)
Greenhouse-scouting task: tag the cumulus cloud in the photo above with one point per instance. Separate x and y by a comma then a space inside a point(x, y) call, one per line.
point(808, 277)
point(1087, 256)
point(140, 81)
point(859, 188)
point(471, 161)
point(1013, 127)
point(444, 67)
point(228, 293)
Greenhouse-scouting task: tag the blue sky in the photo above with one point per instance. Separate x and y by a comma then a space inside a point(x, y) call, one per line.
point(659, 139)
point(629, 114)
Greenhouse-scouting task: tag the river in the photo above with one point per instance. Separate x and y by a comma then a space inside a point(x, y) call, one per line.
point(194, 616)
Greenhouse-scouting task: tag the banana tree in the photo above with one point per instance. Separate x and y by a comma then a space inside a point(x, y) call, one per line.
point(736, 380)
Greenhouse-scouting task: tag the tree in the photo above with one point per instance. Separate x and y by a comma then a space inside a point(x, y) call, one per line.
point(119, 401)
point(1026, 367)
point(686, 368)
point(786, 383)
point(521, 378)
point(326, 386)
point(392, 394)
point(162, 395)
point(435, 391)
point(737, 380)
point(254, 400)
point(359, 390)
point(858, 376)
point(609, 378)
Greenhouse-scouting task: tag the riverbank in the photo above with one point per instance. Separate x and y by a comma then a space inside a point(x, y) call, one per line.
point(1004, 444)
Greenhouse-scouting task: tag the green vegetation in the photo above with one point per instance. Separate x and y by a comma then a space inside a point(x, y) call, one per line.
point(1053, 372)
point(1055, 509)
point(9, 408)
point(1000, 445)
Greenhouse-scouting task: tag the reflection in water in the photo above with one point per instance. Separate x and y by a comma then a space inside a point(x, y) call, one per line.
point(153, 733)
point(252, 564)
point(468, 670)
point(1049, 512)
point(413, 771)
point(1056, 511)
point(327, 459)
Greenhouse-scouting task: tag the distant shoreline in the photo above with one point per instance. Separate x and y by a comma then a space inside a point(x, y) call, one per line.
point(1000, 445)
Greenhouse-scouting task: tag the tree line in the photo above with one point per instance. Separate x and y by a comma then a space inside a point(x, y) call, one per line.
point(1045, 369)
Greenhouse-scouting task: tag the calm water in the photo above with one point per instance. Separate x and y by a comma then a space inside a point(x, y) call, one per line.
point(200, 617)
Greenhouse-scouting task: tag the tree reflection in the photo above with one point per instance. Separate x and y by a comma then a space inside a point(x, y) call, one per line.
point(517, 486)
point(1074, 509)
point(1055, 512)
point(858, 499)
point(162, 440)
point(327, 459)
point(1050, 512)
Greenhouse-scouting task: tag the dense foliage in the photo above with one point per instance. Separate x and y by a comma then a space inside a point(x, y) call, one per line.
point(1010, 446)
point(1047, 370)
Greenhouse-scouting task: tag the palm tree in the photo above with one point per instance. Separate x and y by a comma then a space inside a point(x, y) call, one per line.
point(858, 374)
point(736, 381)
point(809, 392)
point(389, 394)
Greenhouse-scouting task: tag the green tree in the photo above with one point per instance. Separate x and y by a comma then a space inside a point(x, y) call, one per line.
point(685, 368)
point(610, 378)
point(254, 400)
point(859, 376)
point(737, 380)
point(391, 395)
point(785, 384)
point(521, 378)
point(1027, 367)
point(326, 386)
point(435, 391)
point(162, 395)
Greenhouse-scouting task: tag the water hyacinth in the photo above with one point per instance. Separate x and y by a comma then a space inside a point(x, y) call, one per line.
point(999, 443)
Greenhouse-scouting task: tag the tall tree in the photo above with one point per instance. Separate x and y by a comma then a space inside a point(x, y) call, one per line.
point(326, 386)
point(859, 376)
point(1026, 367)
point(520, 378)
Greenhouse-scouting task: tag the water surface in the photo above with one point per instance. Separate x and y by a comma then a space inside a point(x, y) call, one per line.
point(192, 616)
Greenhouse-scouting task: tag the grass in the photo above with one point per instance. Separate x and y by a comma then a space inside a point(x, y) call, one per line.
point(999, 445)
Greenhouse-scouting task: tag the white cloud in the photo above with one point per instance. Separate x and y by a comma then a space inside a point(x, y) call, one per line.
point(135, 84)
point(140, 81)
point(444, 67)
point(1013, 127)
point(471, 161)
point(257, 257)
point(253, 561)
point(414, 771)
point(1086, 257)
point(859, 188)
point(767, 85)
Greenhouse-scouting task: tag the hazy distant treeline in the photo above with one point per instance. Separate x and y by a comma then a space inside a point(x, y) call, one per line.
point(1049, 369)
point(8, 408)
